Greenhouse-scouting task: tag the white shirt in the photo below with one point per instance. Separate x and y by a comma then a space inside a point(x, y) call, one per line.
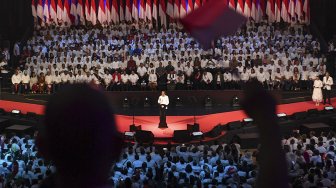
point(327, 83)
point(152, 78)
point(25, 79)
point(163, 100)
point(16, 79)
point(124, 78)
point(133, 78)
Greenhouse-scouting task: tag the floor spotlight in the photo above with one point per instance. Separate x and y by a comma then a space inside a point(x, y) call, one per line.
point(235, 102)
point(126, 103)
point(328, 109)
point(16, 112)
point(208, 102)
point(147, 102)
point(178, 102)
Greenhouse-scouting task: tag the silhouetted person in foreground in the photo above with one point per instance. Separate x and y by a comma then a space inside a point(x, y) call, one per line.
point(261, 106)
point(80, 137)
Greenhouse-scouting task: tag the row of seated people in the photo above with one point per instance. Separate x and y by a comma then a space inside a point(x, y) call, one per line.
point(164, 78)
point(310, 158)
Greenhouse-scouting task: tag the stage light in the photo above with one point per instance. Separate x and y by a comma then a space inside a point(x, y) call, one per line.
point(248, 120)
point(178, 102)
point(328, 108)
point(197, 135)
point(16, 112)
point(147, 102)
point(126, 103)
point(129, 135)
point(208, 102)
point(235, 102)
point(280, 115)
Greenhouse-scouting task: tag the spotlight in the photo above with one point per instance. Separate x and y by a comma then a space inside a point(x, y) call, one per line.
point(197, 135)
point(328, 109)
point(129, 135)
point(147, 102)
point(178, 102)
point(16, 112)
point(280, 115)
point(126, 103)
point(235, 102)
point(248, 120)
point(208, 102)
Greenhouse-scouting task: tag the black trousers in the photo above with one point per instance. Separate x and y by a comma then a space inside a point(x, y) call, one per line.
point(163, 122)
point(326, 95)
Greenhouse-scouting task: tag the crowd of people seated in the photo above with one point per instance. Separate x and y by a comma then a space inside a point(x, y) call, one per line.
point(310, 161)
point(134, 56)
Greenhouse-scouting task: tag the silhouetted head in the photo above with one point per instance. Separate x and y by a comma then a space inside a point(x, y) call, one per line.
point(79, 135)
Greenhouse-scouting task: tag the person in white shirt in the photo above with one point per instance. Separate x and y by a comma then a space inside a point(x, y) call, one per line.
point(261, 77)
point(288, 82)
point(227, 79)
point(64, 78)
point(180, 80)
point(206, 81)
point(107, 80)
point(124, 81)
point(304, 78)
point(278, 79)
point(56, 81)
point(163, 101)
point(25, 82)
point(133, 78)
point(171, 80)
point(327, 83)
point(152, 80)
point(312, 76)
point(16, 82)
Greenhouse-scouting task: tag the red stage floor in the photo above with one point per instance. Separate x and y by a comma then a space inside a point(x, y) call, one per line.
point(150, 123)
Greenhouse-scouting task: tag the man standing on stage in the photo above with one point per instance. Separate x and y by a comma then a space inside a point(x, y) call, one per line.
point(327, 83)
point(163, 102)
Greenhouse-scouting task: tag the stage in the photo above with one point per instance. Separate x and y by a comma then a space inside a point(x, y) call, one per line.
point(175, 122)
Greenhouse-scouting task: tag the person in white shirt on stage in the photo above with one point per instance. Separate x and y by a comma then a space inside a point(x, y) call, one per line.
point(327, 83)
point(16, 81)
point(163, 101)
point(317, 92)
point(25, 82)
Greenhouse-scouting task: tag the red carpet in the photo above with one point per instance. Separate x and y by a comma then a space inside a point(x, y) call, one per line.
point(207, 122)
